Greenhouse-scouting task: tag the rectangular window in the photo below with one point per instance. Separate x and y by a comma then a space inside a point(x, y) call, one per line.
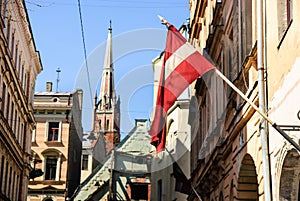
point(53, 131)
point(33, 136)
point(21, 134)
point(107, 124)
point(8, 31)
point(139, 191)
point(16, 58)
point(3, 97)
point(5, 179)
point(22, 75)
point(9, 182)
point(289, 10)
point(15, 122)
point(51, 164)
point(284, 18)
point(18, 131)
point(8, 106)
point(2, 172)
point(12, 115)
point(159, 190)
point(85, 162)
point(12, 45)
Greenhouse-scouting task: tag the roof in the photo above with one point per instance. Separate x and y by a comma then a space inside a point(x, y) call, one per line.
point(135, 146)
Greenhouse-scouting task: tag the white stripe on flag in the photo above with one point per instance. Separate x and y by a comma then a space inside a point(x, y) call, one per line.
point(177, 57)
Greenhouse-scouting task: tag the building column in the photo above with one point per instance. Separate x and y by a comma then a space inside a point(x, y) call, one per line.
point(58, 167)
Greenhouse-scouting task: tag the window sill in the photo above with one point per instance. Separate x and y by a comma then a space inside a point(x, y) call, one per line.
point(54, 144)
point(47, 182)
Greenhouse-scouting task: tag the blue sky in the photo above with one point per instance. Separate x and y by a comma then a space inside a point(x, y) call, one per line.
point(138, 37)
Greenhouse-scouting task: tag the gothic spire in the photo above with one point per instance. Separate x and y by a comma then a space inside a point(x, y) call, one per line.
point(107, 84)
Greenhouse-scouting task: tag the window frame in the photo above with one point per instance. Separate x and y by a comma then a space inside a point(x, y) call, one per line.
point(85, 162)
point(47, 131)
point(53, 178)
point(284, 22)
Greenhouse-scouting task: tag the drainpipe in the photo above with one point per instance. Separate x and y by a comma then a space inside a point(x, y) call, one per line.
point(262, 104)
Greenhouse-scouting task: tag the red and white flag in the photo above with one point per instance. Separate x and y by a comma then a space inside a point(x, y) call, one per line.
point(182, 65)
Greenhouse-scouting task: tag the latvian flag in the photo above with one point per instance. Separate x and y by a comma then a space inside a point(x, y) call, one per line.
point(181, 66)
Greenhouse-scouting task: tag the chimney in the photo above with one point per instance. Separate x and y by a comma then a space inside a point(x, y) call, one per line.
point(48, 86)
point(141, 122)
point(80, 94)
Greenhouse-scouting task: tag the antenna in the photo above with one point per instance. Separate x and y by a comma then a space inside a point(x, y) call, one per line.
point(57, 79)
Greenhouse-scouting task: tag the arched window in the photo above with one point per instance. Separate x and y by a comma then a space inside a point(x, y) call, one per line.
point(290, 177)
point(52, 164)
point(170, 133)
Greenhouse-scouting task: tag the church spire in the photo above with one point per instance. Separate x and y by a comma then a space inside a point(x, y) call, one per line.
point(108, 54)
point(107, 111)
point(107, 84)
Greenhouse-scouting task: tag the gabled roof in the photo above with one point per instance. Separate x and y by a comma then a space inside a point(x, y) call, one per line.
point(135, 147)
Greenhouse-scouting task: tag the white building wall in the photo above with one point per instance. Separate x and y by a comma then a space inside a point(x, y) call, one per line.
point(285, 108)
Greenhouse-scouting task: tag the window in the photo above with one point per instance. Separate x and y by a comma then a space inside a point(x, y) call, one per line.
point(21, 134)
point(285, 17)
point(289, 9)
point(5, 179)
point(12, 115)
point(139, 191)
point(8, 30)
point(2, 172)
point(85, 162)
point(8, 106)
point(107, 124)
point(53, 131)
point(3, 97)
point(159, 190)
point(12, 44)
point(51, 164)
point(33, 136)
point(19, 125)
point(15, 122)
point(16, 57)
point(9, 182)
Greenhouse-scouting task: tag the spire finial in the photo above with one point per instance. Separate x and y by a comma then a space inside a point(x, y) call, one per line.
point(109, 26)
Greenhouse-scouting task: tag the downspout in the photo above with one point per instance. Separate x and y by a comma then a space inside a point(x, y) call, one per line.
point(262, 102)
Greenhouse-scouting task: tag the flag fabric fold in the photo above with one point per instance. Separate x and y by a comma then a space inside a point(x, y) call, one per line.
point(182, 184)
point(182, 64)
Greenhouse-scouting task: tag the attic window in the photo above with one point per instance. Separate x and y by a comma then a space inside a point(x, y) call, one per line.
point(55, 100)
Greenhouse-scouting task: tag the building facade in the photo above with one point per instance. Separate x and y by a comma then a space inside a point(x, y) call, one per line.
point(87, 156)
point(19, 65)
point(126, 171)
point(227, 160)
point(55, 143)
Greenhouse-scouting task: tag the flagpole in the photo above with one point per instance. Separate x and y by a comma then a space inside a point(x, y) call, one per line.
point(196, 192)
point(274, 125)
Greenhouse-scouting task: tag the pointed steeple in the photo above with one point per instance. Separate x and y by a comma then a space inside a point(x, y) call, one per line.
point(107, 112)
point(107, 84)
point(108, 53)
